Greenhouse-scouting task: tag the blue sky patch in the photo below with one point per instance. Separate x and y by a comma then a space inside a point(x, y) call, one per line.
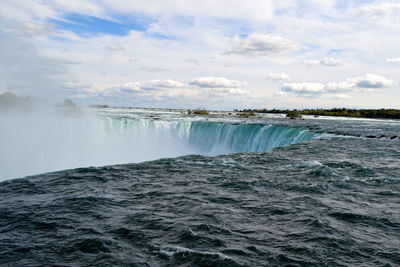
point(85, 25)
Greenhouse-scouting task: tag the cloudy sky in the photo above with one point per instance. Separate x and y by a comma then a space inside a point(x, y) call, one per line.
point(216, 54)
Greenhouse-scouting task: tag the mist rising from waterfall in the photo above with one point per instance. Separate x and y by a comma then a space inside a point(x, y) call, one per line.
point(32, 144)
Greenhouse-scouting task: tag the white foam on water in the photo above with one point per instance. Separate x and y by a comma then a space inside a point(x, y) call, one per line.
point(170, 251)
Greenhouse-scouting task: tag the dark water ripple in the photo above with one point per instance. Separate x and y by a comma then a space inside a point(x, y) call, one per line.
point(320, 203)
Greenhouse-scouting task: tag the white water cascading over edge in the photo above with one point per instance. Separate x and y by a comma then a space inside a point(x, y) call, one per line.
point(32, 144)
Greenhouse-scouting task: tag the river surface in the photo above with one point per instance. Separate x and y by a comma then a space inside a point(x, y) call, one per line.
point(168, 189)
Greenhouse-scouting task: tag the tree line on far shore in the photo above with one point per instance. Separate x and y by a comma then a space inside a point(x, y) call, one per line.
point(342, 112)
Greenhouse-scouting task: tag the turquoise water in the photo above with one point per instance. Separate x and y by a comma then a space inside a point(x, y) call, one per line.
point(222, 138)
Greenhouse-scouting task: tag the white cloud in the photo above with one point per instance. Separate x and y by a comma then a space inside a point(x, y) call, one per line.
point(23, 69)
point(262, 45)
point(383, 14)
point(193, 61)
point(160, 89)
point(311, 62)
point(393, 60)
point(380, 10)
point(371, 81)
point(23, 11)
point(340, 96)
point(33, 28)
point(278, 77)
point(303, 88)
point(76, 86)
point(142, 87)
point(326, 61)
point(186, 38)
point(258, 9)
point(115, 47)
point(154, 69)
point(366, 82)
point(160, 84)
point(130, 87)
point(342, 86)
point(220, 86)
point(216, 82)
point(79, 6)
point(227, 91)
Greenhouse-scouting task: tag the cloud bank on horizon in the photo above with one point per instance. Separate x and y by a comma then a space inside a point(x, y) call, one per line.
point(216, 54)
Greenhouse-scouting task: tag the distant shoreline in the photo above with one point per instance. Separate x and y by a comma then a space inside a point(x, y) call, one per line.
point(336, 112)
point(393, 114)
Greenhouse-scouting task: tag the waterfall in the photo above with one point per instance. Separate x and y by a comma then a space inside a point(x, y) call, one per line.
point(220, 138)
point(34, 144)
